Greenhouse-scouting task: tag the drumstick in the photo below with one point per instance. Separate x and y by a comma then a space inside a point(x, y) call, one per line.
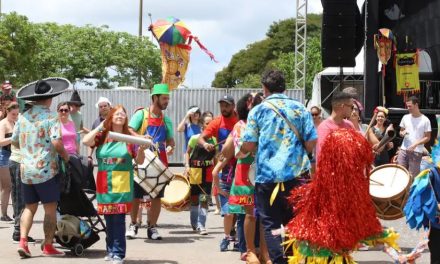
point(381, 184)
point(371, 124)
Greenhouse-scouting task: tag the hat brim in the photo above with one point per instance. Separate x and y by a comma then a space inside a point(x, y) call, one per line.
point(59, 85)
point(75, 103)
point(225, 101)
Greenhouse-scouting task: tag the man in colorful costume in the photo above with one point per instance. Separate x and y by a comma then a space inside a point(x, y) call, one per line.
point(153, 124)
point(334, 213)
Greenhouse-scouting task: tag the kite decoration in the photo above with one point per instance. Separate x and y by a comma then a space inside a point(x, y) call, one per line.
point(383, 43)
point(175, 39)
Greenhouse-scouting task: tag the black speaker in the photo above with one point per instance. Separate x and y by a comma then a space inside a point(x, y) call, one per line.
point(340, 33)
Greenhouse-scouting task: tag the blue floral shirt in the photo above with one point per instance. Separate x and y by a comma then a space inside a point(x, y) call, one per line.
point(34, 132)
point(280, 155)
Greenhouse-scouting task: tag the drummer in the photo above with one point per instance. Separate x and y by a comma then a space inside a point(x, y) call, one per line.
point(198, 165)
point(151, 123)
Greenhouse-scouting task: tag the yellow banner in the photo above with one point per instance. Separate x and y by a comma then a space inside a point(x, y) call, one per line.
point(407, 73)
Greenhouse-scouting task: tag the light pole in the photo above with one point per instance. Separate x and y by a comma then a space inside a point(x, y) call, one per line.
point(141, 4)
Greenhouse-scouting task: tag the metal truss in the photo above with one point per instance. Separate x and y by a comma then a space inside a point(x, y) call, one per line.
point(300, 44)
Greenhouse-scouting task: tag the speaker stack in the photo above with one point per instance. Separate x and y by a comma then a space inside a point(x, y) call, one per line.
point(340, 33)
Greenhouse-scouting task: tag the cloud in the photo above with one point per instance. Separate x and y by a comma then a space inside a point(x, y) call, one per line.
point(224, 27)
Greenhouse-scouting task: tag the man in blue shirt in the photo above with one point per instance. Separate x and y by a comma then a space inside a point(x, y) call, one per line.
point(281, 157)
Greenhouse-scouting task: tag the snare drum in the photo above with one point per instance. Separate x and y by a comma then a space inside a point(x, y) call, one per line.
point(152, 175)
point(389, 186)
point(177, 192)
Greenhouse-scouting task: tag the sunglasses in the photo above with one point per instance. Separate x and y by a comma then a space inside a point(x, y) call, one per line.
point(64, 110)
point(315, 114)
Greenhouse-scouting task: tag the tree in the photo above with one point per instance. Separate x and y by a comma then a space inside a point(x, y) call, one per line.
point(34, 51)
point(286, 64)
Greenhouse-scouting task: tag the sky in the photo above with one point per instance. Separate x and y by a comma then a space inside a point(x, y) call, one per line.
point(224, 27)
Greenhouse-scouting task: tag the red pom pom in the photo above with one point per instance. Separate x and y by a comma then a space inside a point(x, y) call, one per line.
point(335, 210)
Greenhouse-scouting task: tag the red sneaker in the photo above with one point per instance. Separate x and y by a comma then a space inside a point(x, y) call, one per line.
point(50, 251)
point(23, 250)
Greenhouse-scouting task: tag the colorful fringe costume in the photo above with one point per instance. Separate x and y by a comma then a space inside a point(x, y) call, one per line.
point(335, 211)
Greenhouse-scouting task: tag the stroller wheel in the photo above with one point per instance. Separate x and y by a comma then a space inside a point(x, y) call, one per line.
point(78, 250)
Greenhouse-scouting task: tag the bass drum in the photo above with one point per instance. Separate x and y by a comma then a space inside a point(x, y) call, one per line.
point(177, 193)
point(389, 187)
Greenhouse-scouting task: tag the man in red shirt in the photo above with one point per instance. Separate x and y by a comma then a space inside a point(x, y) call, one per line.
point(222, 125)
point(342, 106)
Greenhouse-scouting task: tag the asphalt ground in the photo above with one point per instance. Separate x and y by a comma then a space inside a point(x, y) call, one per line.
point(180, 244)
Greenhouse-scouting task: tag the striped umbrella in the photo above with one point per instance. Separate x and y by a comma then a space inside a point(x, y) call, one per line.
point(170, 30)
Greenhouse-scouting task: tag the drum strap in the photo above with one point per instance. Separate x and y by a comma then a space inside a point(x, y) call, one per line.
point(275, 191)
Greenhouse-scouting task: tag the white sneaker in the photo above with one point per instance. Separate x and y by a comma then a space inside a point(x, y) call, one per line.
point(131, 231)
point(117, 260)
point(108, 257)
point(153, 234)
point(202, 231)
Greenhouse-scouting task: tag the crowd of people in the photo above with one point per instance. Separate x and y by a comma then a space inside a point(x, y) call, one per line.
point(251, 158)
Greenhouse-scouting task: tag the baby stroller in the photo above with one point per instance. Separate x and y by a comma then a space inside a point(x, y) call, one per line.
point(77, 181)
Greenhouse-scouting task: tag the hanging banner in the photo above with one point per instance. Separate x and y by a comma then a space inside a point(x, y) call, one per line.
point(407, 73)
point(175, 61)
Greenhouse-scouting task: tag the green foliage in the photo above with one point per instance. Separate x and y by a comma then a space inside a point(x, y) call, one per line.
point(275, 51)
point(286, 64)
point(32, 51)
point(250, 81)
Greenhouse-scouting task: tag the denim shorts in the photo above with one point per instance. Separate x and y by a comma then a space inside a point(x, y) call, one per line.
point(4, 158)
point(46, 192)
point(224, 201)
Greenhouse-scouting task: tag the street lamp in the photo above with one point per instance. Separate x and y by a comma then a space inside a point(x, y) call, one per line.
point(141, 4)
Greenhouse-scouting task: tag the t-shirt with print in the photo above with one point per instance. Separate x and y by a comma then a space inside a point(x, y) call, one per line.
point(138, 118)
point(325, 128)
point(280, 155)
point(34, 132)
point(415, 128)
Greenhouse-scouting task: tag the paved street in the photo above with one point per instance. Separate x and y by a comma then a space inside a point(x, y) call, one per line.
point(179, 246)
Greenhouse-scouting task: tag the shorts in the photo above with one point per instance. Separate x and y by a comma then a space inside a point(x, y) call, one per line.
point(45, 192)
point(4, 158)
point(139, 192)
point(224, 201)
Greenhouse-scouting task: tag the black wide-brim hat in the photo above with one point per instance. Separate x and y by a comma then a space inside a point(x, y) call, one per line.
point(43, 89)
